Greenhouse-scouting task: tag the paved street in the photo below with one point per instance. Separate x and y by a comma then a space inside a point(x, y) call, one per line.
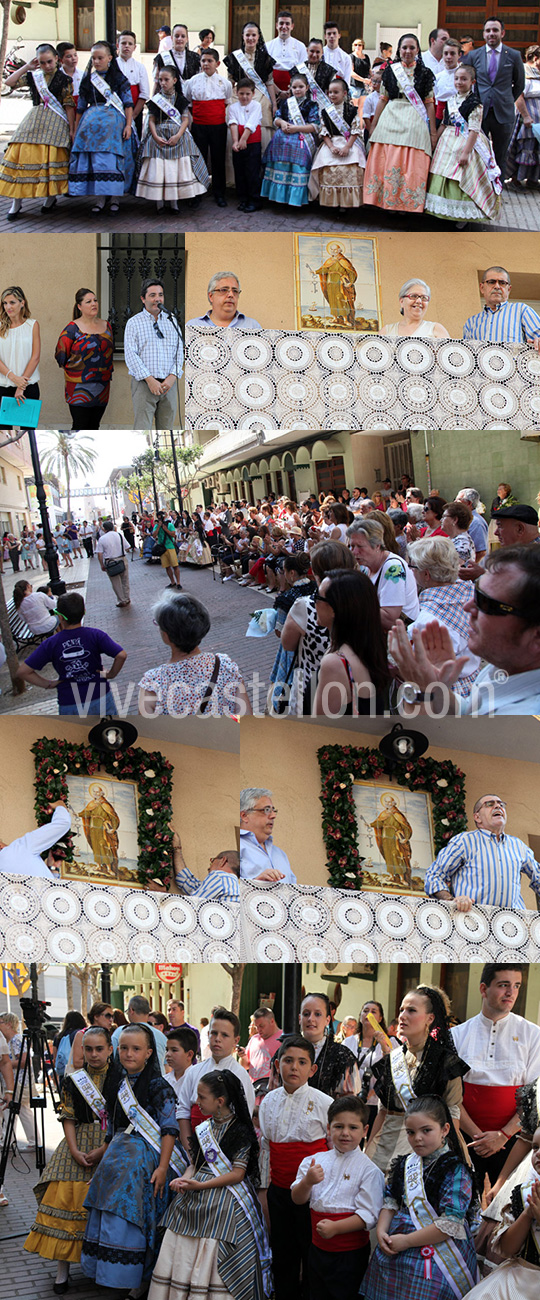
point(229, 606)
point(24, 1276)
point(520, 210)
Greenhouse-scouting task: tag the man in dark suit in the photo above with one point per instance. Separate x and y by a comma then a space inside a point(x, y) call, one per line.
point(500, 80)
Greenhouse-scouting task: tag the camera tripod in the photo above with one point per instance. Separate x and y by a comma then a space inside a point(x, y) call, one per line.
point(34, 1044)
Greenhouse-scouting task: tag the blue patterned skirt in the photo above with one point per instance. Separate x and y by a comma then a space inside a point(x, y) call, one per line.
point(287, 165)
point(120, 1244)
point(402, 1276)
point(100, 158)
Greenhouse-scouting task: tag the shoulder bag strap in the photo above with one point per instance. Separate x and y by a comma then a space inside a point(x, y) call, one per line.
point(210, 688)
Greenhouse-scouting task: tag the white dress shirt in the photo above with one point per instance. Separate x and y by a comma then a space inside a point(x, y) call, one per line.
point(187, 1093)
point(501, 1053)
point(339, 60)
point(22, 857)
point(519, 693)
point(430, 61)
point(136, 75)
point(247, 115)
point(299, 1116)
point(202, 87)
point(352, 1184)
point(445, 85)
point(287, 54)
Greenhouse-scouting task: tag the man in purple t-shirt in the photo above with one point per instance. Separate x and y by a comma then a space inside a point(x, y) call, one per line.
point(75, 652)
point(175, 1013)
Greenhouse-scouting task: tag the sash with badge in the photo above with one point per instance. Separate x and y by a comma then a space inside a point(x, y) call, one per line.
point(409, 91)
point(246, 67)
point(445, 1254)
point(296, 118)
point(91, 1095)
point(219, 1163)
point(323, 101)
point(401, 1077)
point(166, 107)
point(481, 145)
point(142, 1123)
point(48, 100)
point(112, 100)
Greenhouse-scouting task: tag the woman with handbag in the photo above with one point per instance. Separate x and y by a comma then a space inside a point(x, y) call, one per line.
point(111, 552)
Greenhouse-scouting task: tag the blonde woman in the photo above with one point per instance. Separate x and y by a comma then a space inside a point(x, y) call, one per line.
point(20, 346)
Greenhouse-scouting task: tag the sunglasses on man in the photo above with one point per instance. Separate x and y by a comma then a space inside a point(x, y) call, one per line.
point(497, 608)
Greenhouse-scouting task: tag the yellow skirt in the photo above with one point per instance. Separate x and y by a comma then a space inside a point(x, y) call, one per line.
point(59, 1236)
point(34, 171)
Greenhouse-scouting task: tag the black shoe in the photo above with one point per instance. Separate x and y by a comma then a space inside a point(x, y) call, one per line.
point(242, 206)
point(60, 1288)
point(48, 207)
point(14, 216)
point(250, 207)
point(195, 203)
point(220, 201)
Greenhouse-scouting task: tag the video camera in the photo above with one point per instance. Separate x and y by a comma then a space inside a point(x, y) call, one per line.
point(34, 1012)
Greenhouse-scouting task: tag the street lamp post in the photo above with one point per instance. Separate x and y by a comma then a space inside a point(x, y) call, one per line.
point(58, 587)
point(110, 22)
point(176, 474)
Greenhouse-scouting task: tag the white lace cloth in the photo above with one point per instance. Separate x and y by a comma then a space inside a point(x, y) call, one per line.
point(282, 379)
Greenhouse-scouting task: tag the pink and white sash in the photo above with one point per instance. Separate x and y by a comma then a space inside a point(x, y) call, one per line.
point(481, 144)
point(49, 101)
point(296, 117)
point(322, 100)
point(409, 91)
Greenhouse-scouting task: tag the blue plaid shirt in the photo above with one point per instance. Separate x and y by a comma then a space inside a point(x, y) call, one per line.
point(484, 868)
point(512, 322)
point(218, 884)
point(145, 353)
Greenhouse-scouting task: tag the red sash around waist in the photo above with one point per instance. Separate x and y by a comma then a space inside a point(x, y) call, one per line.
point(282, 78)
point(255, 137)
point(285, 1158)
point(134, 94)
point(342, 1240)
point(196, 1116)
point(490, 1108)
point(208, 112)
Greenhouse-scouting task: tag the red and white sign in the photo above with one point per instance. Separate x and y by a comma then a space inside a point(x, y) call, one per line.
point(168, 972)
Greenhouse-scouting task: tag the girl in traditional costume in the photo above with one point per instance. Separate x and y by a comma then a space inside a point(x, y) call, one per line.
point(216, 1244)
point(58, 1229)
point(35, 164)
point(130, 1190)
point(337, 173)
point(98, 163)
point(464, 181)
point(253, 60)
point(426, 1062)
point(425, 1244)
point(287, 160)
point(518, 1240)
point(172, 167)
point(403, 134)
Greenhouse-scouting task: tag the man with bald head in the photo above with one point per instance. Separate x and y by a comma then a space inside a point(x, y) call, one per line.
point(224, 296)
point(483, 865)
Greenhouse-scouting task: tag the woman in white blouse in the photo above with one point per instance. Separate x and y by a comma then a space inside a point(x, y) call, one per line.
point(20, 347)
point(36, 607)
point(414, 300)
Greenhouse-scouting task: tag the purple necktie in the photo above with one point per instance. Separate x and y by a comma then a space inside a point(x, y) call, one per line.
point(493, 63)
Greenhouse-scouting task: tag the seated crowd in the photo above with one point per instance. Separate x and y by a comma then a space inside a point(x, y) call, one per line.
point(376, 596)
point(285, 122)
point(318, 1135)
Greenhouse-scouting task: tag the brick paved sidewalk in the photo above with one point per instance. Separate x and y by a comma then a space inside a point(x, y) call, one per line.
point(229, 606)
point(24, 1276)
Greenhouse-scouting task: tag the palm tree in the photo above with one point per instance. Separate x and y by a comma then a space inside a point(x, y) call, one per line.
point(68, 454)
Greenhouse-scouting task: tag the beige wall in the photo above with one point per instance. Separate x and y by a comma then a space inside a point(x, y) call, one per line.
point(285, 761)
point(50, 269)
point(205, 791)
point(449, 262)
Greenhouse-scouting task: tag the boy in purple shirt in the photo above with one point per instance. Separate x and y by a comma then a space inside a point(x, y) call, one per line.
point(75, 653)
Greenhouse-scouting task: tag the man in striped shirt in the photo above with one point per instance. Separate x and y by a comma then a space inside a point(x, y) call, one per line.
point(501, 321)
point(221, 880)
point(484, 865)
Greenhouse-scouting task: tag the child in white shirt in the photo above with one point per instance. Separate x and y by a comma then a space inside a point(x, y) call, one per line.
point(245, 117)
